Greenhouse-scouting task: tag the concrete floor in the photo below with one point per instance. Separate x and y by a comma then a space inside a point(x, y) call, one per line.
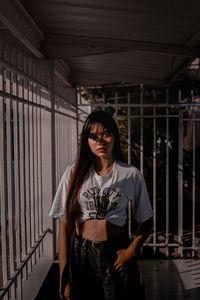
point(163, 280)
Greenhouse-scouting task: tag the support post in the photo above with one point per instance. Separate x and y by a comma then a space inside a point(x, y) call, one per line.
point(53, 149)
point(180, 183)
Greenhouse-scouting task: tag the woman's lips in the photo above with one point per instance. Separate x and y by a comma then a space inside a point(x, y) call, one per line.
point(101, 149)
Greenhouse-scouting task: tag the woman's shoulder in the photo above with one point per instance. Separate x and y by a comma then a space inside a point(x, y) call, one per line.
point(70, 166)
point(128, 169)
point(68, 170)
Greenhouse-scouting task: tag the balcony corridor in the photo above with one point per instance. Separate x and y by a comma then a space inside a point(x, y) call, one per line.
point(60, 60)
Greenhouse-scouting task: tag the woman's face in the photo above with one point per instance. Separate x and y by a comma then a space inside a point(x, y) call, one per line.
point(101, 141)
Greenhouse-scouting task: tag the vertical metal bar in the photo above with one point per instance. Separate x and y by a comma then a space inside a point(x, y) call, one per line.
point(53, 163)
point(129, 162)
point(67, 136)
point(38, 251)
point(40, 149)
point(77, 117)
point(154, 171)
point(32, 173)
point(59, 146)
point(1, 47)
point(11, 211)
point(26, 200)
point(36, 168)
point(167, 175)
point(38, 165)
point(68, 129)
point(23, 184)
point(10, 188)
point(62, 143)
point(57, 138)
point(34, 163)
point(21, 93)
point(129, 130)
point(80, 98)
point(116, 107)
point(57, 118)
point(3, 198)
point(16, 176)
point(38, 90)
point(25, 91)
point(180, 182)
point(25, 163)
point(66, 147)
point(27, 174)
point(141, 129)
point(103, 97)
point(193, 173)
point(37, 171)
point(17, 195)
point(22, 177)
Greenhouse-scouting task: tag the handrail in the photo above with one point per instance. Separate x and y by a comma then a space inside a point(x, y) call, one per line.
point(23, 264)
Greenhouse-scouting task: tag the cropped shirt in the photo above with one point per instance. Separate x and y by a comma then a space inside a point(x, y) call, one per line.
point(106, 197)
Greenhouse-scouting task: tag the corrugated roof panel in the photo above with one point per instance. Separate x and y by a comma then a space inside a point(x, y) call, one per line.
point(66, 24)
point(137, 20)
point(127, 62)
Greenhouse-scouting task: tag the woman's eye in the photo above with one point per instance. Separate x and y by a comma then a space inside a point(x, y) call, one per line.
point(93, 136)
point(103, 134)
point(107, 134)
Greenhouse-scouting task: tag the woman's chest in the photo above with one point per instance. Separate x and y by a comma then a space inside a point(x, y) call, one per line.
point(99, 201)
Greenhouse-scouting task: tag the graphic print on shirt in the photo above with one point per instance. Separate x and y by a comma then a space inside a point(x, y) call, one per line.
point(98, 204)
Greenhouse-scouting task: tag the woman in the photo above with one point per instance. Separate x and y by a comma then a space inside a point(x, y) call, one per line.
point(97, 259)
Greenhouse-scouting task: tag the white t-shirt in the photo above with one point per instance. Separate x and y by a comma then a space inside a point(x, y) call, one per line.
point(107, 197)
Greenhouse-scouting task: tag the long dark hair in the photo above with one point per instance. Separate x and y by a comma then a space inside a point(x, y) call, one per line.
point(85, 159)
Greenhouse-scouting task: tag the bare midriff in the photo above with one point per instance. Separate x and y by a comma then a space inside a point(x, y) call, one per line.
point(98, 229)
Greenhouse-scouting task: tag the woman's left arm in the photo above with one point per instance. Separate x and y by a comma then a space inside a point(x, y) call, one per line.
point(126, 256)
point(144, 230)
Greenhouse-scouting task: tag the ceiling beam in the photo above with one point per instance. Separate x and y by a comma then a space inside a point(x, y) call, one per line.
point(73, 50)
point(17, 20)
point(62, 73)
point(173, 75)
point(80, 78)
point(68, 45)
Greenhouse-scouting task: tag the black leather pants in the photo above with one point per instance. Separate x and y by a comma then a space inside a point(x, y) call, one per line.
point(89, 262)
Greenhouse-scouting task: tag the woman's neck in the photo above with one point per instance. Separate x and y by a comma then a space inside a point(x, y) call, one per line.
point(103, 166)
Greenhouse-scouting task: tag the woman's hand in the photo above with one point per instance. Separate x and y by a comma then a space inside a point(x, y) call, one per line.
point(64, 288)
point(126, 256)
point(66, 292)
point(124, 259)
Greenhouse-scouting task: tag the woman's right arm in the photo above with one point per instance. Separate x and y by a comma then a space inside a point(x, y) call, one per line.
point(63, 255)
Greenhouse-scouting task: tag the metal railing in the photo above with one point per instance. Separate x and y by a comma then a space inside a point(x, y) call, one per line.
point(158, 131)
point(36, 121)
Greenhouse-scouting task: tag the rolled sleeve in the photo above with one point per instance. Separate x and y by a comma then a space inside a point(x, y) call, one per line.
point(142, 208)
point(58, 207)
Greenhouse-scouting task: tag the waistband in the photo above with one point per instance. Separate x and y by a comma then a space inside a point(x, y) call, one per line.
point(115, 241)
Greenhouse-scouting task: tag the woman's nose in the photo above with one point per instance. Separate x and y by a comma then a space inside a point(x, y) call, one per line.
point(100, 140)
